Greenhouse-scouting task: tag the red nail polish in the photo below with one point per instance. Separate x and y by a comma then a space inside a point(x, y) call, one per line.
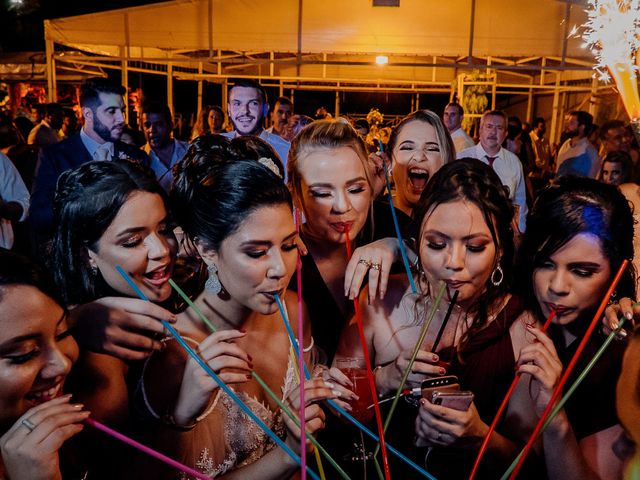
point(442, 371)
point(435, 358)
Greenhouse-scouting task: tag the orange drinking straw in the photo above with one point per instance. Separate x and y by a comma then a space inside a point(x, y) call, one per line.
point(570, 367)
point(503, 405)
point(372, 381)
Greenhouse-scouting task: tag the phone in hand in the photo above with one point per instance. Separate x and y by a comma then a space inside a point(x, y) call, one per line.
point(442, 384)
point(460, 400)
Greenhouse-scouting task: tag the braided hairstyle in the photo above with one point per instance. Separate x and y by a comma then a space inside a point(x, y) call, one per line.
point(86, 201)
point(473, 181)
point(214, 190)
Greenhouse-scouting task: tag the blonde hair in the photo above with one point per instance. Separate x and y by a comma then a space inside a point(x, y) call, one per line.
point(447, 149)
point(319, 135)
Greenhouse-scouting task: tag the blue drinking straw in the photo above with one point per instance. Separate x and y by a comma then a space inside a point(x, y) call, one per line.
point(403, 252)
point(217, 379)
point(343, 412)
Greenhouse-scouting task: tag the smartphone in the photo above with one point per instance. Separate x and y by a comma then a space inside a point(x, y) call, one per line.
point(460, 400)
point(442, 384)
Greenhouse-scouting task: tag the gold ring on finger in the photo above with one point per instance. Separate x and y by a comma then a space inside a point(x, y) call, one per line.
point(376, 266)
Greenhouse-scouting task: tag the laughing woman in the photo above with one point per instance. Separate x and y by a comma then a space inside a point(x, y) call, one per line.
point(36, 354)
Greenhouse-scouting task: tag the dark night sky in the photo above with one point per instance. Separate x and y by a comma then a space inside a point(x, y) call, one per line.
point(21, 27)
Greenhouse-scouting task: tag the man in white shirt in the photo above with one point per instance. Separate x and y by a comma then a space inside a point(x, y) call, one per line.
point(163, 150)
point(493, 131)
point(246, 109)
point(280, 115)
point(46, 132)
point(14, 200)
point(576, 155)
point(452, 119)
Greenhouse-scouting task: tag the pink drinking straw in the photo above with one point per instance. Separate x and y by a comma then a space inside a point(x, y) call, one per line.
point(303, 438)
point(502, 407)
point(144, 449)
point(372, 381)
point(558, 390)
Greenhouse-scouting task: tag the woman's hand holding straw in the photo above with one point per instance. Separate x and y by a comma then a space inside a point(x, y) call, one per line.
point(558, 390)
point(501, 409)
point(421, 337)
point(222, 385)
point(372, 381)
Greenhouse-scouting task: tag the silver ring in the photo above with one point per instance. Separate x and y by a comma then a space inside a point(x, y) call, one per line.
point(376, 266)
point(29, 424)
point(365, 262)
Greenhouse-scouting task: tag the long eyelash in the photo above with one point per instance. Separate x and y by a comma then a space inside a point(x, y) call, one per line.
point(20, 359)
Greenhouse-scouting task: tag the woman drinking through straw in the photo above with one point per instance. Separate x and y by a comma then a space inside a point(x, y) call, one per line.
point(473, 256)
point(578, 233)
point(237, 213)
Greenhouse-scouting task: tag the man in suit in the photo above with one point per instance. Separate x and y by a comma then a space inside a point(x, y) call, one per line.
point(103, 107)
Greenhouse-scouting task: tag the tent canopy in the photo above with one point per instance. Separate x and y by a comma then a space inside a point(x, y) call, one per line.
point(335, 38)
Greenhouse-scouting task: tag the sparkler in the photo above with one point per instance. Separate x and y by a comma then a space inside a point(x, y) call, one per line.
point(611, 33)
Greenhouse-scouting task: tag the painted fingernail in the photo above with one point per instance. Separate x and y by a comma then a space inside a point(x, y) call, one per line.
point(615, 325)
point(78, 406)
point(329, 385)
point(442, 371)
point(628, 315)
point(435, 358)
point(355, 397)
point(336, 393)
point(423, 401)
point(248, 376)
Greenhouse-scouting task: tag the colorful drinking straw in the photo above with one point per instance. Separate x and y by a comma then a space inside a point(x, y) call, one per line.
point(558, 390)
point(414, 354)
point(396, 226)
point(174, 333)
point(303, 449)
point(502, 408)
point(143, 448)
point(574, 386)
point(275, 398)
point(372, 381)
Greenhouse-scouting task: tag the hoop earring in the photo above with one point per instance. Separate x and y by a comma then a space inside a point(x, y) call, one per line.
point(498, 271)
point(213, 284)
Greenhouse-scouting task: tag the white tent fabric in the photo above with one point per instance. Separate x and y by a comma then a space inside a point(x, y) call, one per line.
point(502, 28)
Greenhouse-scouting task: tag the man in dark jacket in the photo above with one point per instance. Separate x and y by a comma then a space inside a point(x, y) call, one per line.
point(103, 107)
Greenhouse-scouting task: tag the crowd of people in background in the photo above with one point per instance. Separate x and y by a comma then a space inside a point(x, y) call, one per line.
point(508, 227)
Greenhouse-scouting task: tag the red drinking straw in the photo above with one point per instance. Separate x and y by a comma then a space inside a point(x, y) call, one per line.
point(149, 451)
point(303, 438)
point(503, 406)
point(570, 367)
point(372, 381)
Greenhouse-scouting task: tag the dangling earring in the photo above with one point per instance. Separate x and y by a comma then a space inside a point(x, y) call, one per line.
point(94, 270)
point(213, 284)
point(500, 274)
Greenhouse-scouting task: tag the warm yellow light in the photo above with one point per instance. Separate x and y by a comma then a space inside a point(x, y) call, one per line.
point(382, 59)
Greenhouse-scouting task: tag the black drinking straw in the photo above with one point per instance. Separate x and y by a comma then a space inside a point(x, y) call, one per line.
point(447, 315)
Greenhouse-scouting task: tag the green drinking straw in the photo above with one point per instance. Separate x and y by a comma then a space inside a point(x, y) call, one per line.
point(407, 370)
point(213, 329)
point(569, 392)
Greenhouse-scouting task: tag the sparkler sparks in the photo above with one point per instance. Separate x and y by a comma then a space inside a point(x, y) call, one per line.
point(611, 33)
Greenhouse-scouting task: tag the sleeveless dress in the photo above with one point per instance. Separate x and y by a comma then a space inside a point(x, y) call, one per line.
point(224, 437)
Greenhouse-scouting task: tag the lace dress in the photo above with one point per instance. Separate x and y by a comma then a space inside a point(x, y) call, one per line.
point(225, 438)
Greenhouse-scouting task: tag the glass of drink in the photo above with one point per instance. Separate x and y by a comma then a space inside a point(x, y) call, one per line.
point(355, 369)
